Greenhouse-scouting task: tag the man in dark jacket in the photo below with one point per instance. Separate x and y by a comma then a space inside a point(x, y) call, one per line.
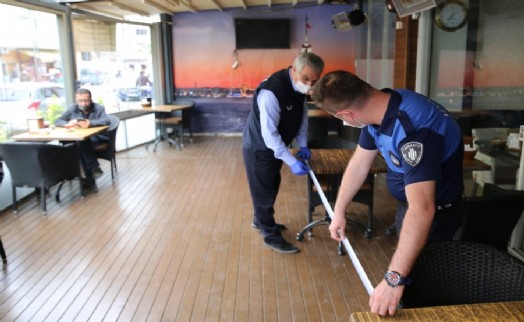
point(85, 113)
point(278, 116)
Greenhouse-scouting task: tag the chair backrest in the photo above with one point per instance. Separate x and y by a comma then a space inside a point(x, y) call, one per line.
point(490, 219)
point(113, 128)
point(451, 273)
point(36, 164)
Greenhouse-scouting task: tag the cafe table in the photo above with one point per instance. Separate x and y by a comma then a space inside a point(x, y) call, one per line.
point(485, 312)
point(60, 134)
point(162, 115)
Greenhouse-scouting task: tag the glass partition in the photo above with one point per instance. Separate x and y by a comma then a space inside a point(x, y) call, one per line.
point(113, 60)
point(31, 82)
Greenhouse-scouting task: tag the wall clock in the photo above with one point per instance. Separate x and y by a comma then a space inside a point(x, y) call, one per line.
point(451, 15)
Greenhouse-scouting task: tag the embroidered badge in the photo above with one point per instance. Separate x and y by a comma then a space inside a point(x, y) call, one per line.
point(394, 159)
point(412, 152)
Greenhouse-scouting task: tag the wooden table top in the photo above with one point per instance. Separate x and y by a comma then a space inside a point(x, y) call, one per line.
point(474, 165)
point(335, 161)
point(60, 133)
point(486, 312)
point(163, 108)
point(318, 113)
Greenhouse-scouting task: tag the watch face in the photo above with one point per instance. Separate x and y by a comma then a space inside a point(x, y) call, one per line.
point(393, 279)
point(451, 16)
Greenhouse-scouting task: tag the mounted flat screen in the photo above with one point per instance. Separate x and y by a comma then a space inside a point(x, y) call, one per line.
point(262, 33)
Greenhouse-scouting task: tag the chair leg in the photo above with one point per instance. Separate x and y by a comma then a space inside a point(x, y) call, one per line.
point(82, 194)
point(57, 196)
point(43, 200)
point(2, 252)
point(15, 210)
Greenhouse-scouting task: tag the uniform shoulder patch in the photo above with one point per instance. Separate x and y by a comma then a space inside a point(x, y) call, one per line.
point(412, 152)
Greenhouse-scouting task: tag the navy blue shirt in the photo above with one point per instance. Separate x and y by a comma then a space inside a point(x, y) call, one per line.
point(419, 141)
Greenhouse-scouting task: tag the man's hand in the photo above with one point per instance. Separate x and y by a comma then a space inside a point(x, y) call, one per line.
point(299, 168)
point(304, 153)
point(71, 123)
point(84, 123)
point(337, 227)
point(385, 299)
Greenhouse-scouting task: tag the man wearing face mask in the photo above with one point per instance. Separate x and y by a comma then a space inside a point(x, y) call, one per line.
point(85, 113)
point(278, 116)
point(422, 146)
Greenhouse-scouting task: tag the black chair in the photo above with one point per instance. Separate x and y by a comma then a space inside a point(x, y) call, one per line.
point(330, 188)
point(491, 218)
point(453, 273)
point(2, 250)
point(107, 151)
point(41, 165)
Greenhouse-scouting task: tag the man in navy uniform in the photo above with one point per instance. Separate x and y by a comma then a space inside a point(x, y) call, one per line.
point(278, 116)
point(422, 146)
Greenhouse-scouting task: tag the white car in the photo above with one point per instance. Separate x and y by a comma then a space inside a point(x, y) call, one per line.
point(20, 101)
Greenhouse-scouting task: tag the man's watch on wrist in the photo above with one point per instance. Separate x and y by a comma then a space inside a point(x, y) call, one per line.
point(395, 279)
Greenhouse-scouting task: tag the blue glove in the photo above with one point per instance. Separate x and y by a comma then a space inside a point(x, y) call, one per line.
point(304, 153)
point(299, 168)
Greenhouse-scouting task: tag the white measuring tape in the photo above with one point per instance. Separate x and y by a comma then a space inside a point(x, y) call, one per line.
point(360, 270)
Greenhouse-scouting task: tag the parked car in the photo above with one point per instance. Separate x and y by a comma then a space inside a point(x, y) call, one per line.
point(19, 101)
point(90, 77)
point(127, 91)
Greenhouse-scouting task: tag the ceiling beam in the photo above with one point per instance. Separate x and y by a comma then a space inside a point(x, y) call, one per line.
point(157, 6)
point(215, 2)
point(188, 6)
point(244, 5)
point(96, 11)
point(127, 8)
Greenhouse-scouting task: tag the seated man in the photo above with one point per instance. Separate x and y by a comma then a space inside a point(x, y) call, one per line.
point(86, 114)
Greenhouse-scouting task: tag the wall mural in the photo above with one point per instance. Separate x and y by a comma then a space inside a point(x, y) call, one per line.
point(221, 79)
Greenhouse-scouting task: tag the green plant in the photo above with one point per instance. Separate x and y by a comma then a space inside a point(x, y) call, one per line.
point(5, 131)
point(54, 110)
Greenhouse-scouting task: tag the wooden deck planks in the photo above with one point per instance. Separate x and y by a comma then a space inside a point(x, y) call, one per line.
point(170, 239)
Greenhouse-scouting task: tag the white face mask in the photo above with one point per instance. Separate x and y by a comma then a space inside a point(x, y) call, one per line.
point(302, 88)
point(358, 124)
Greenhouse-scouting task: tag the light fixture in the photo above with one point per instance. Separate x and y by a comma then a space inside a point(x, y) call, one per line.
point(390, 6)
point(344, 21)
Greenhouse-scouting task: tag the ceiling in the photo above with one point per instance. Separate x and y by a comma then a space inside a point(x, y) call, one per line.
point(121, 8)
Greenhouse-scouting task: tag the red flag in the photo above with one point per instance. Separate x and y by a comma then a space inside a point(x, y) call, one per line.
point(308, 26)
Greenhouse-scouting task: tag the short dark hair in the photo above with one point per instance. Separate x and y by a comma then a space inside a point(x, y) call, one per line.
point(83, 91)
point(340, 89)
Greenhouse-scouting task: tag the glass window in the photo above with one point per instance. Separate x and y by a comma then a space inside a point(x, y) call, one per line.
point(114, 61)
point(30, 73)
point(480, 66)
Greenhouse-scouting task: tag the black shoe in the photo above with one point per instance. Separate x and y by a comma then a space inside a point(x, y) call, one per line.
point(89, 184)
point(281, 245)
point(279, 226)
point(97, 172)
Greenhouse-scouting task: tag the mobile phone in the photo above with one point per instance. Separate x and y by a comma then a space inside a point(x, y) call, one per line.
point(80, 119)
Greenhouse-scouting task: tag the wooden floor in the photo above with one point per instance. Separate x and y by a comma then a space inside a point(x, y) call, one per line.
point(170, 239)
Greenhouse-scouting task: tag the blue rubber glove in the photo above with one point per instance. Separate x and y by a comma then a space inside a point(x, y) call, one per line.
point(299, 168)
point(304, 153)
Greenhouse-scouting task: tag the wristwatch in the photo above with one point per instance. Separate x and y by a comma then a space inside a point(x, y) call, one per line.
point(395, 279)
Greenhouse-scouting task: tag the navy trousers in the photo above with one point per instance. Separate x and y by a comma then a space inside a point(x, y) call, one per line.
point(87, 154)
point(263, 175)
point(446, 225)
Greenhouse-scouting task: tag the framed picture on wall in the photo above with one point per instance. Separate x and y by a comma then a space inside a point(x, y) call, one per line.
point(408, 7)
